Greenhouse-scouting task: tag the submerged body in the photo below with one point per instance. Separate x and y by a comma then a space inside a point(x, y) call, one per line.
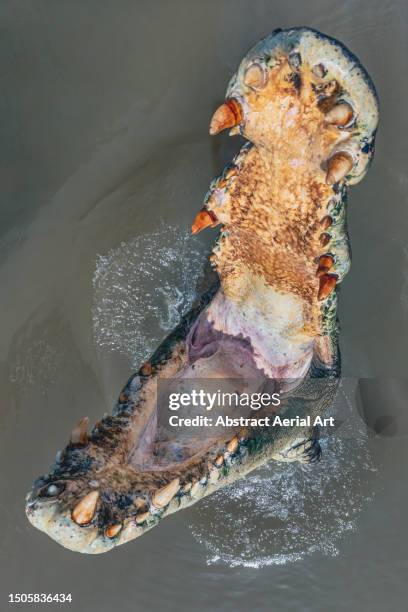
point(309, 112)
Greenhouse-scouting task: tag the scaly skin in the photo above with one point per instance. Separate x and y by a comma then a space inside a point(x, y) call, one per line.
point(309, 112)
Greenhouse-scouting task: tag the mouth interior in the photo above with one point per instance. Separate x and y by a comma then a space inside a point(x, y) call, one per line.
point(215, 362)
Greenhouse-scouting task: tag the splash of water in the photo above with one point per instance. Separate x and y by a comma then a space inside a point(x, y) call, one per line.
point(283, 512)
point(142, 288)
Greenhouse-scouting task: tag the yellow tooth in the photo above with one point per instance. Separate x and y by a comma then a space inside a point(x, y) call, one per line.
point(341, 114)
point(232, 445)
point(234, 131)
point(326, 222)
point(84, 511)
point(326, 285)
point(338, 167)
point(113, 530)
point(163, 496)
point(214, 475)
point(79, 434)
point(141, 518)
point(219, 460)
point(195, 489)
point(231, 172)
point(228, 115)
point(204, 218)
point(325, 264)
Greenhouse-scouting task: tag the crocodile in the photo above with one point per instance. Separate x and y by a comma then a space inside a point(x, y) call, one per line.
point(308, 112)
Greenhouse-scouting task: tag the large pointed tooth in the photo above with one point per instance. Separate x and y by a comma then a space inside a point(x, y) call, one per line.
point(142, 517)
point(227, 115)
point(195, 490)
point(113, 530)
point(341, 114)
point(232, 445)
point(213, 475)
point(337, 167)
point(79, 434)
point(219, 460)
point(325, 264)
point(326, 222)
point(84, 511)
point(326, 285)
point(163, 496)
point(204, 218)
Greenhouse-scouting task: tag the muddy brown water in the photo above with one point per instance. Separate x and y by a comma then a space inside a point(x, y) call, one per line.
point(105, 158)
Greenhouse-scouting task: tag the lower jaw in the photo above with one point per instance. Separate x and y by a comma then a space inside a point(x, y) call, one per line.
point(250, 454)
point(216, 465)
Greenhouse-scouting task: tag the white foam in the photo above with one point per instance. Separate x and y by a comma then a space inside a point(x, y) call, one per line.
point(283, 512)
point(142, 288)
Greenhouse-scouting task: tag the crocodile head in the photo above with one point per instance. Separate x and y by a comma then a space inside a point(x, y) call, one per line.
point(309, 111)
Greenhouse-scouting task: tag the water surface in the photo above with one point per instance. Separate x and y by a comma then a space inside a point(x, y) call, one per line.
point(105, 160)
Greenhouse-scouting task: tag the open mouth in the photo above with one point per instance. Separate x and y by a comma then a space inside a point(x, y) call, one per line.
point(269, 326)
point(117, 482)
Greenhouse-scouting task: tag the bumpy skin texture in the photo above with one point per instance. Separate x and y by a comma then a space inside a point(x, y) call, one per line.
point(309, 111)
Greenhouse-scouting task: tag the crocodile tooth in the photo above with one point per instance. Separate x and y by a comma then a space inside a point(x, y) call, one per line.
point(231, 172)
point(219, 460)
point(163, 496)
point(214, 475)
point(232, 445)
point(324, 239)
point(195, 489)
point(325, 264)
point(204, 218)
point(341, 114)
point(79, 434)
point(113, 530)
point(326, 285)
point(338, 167)
point(228, 115)
point(326, 222)
point(84, 511)
point(141, 518)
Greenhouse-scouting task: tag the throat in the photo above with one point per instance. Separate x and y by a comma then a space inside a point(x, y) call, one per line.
point(275, 324)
